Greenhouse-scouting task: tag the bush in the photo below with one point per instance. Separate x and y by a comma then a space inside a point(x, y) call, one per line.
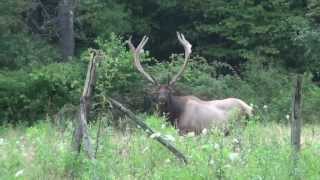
point(116, 76)
point(28, 96)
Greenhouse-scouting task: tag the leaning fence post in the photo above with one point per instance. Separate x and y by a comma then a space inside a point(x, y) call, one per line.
point(81, 135)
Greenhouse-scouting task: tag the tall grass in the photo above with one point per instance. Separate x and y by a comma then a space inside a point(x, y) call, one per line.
point(257, 151)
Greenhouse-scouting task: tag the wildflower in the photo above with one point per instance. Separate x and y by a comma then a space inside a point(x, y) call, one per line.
point(154, 135)
point(169, 137)
point(235, 140)
point(167, 161)
point(61, 146)
point(163, 126)
point(233, 156)
point(251, 105)
point(19, 173)
point(204, 131)
point(265, 107)
point(1, 141)
point(287, 116)
point(211, 162)
point(216, 146)
point(190, 134)
point(145, 149)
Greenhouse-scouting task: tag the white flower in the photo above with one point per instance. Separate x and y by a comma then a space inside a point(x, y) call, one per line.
point(163, 126)
point(169, 137)
point(211, 162)
point(190, 134)
point(235, 140)
point(167, 161)
point(204, 131)
point(61, 146)
point(154, 135)
point(233, 156)
point(19, 173)
point(287, 116)
point(265, 107)
point(1, 141)
point(145, 149)
point(251, 105)
point(216, 146)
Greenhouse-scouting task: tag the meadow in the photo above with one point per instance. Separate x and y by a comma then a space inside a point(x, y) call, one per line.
point(257, 151)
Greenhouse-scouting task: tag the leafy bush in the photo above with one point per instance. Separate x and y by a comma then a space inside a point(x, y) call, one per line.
point(116, 74)
point(21, 51)
point(27, 96)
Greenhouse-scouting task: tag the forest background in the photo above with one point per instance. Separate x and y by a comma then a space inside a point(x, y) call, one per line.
point(249, 49)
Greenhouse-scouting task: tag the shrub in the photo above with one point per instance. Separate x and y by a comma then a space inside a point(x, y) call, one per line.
point(116, 74)
point(28, 96)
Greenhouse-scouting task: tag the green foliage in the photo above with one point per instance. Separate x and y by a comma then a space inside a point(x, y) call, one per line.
point(117, 76)
point(27, 96)
point(10, 22)
point(255, 152)
point(19, 49)
point(102, 17)
point(230, 31)
point(314, 10)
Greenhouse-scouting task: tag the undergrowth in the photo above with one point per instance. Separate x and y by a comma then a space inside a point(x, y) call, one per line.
point(257, 151)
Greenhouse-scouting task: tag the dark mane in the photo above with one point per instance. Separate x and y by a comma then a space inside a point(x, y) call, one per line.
point(173, 108)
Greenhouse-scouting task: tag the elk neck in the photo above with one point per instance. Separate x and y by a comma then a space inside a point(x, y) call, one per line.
point(174, 107)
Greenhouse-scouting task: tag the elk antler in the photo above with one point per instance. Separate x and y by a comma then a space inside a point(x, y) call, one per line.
point(187, 51)
point(136, 55)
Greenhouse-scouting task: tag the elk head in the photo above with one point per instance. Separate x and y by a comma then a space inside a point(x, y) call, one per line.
point(164, 91)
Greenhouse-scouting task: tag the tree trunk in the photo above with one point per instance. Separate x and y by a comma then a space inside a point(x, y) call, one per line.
point(65, 26)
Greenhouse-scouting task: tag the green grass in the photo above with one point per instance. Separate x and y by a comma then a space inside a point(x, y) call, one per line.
point(257, 151)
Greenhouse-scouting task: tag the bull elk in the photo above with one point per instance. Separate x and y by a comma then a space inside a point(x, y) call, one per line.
point(189, 113)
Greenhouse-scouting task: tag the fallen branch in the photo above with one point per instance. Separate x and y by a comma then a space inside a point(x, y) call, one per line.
point(148, 130)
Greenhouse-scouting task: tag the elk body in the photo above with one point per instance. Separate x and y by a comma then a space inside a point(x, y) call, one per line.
point(189, 113)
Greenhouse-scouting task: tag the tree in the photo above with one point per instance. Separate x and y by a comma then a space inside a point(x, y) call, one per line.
point(66, 28)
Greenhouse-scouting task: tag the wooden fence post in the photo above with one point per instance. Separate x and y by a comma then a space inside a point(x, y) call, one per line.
point(296, 120)
point(81, 135)
point(296, 123)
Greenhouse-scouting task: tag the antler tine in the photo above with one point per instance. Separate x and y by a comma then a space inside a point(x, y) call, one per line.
point(142, 43)
point(136, 56)
point(187, 51)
